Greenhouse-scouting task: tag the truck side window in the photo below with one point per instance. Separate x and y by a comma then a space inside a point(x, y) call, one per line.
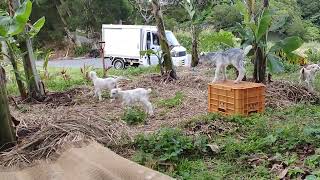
point(148, 40)
point(155, 39)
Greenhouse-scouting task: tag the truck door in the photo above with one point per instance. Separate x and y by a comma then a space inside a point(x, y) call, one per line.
point(152, 43)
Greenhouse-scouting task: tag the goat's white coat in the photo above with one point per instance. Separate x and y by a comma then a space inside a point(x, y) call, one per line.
point(101, 84)
point(130, 97)
point(307, 74)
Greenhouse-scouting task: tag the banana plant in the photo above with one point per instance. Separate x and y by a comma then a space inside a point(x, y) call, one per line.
point(254, 30)
point(197, 17)
point(13, 26)
point(17, 27)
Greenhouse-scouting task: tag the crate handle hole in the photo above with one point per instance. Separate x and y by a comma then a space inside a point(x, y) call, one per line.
point(253, 112)
point(221, 110)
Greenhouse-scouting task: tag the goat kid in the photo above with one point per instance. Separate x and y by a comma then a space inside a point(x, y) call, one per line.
point(308, 73)
point(222, 60)
point(101, 84)
point(131, 97)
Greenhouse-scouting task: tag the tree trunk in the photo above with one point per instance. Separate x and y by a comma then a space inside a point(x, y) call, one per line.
point(7, 134)
point(169, 68)
point(259, 74)
point(195, 37)
point(22, 89)
point(36, 89)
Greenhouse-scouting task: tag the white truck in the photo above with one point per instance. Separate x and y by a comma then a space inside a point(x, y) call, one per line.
point(123, 44)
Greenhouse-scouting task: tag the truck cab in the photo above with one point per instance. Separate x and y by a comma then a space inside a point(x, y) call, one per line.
point(178, 52)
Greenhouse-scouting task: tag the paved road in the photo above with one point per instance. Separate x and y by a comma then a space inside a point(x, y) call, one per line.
point(76, 63)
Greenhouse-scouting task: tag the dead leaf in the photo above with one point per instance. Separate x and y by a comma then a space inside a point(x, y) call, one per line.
point(214, 148)
point(283, 173)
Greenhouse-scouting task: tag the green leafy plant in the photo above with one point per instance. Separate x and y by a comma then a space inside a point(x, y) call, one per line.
point(313, 55)
point(313, 161)
point(134, 116)
point(82, 50)
point(255, 29)
point(213, 41)
point(172, 102)
point(85, 70)
point(169, 145)
point(11, 26)
point(158, 54)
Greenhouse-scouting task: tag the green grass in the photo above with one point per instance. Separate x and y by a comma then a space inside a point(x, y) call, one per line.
point(276, 133)
point(56, 82)
point(173, 101)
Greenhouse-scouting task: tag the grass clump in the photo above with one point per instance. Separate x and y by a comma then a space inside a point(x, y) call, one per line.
point(134, 116)
point(172, 102)
point(168, 145)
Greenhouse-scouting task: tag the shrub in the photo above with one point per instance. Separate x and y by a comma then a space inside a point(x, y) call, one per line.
point(133, 116)
point(313, 55)
point(170, 144)
point(290, 68)
point(82, 50)
point(208, 40)
point(184, 39)
point(312, 33)
point(213, 41)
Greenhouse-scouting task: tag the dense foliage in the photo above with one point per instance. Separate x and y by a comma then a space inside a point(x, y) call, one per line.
point(293, 17)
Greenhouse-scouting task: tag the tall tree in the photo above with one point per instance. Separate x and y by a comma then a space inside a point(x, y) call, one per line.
point(310, 10)
point(7, 134)
point(169, 68)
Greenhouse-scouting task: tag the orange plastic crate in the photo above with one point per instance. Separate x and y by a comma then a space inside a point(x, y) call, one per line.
point(236, 99)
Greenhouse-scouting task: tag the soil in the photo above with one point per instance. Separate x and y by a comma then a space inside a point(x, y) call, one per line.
point(78, 105)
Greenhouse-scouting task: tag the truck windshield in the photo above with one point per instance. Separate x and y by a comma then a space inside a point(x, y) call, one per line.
point(172, 40)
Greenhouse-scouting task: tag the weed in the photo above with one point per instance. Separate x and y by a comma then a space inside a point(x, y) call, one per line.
point(134, 116)
point(313, 161)
point(170, 145)
point(172, 102)
point(65, 75)
point(85, 70)
point(193, 169)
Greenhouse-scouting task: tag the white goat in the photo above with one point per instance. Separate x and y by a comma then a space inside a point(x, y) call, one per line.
point(308, 74)
point(130, 97)
point(102, 83)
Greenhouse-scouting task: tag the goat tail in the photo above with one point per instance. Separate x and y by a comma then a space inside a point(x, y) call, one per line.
point(247, 49)
point(149, 90)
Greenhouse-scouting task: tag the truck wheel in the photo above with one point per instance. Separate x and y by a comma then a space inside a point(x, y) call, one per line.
point(119, 64)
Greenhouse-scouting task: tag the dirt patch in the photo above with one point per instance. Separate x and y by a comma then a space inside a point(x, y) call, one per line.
point(280, 94)
point(211, 128)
